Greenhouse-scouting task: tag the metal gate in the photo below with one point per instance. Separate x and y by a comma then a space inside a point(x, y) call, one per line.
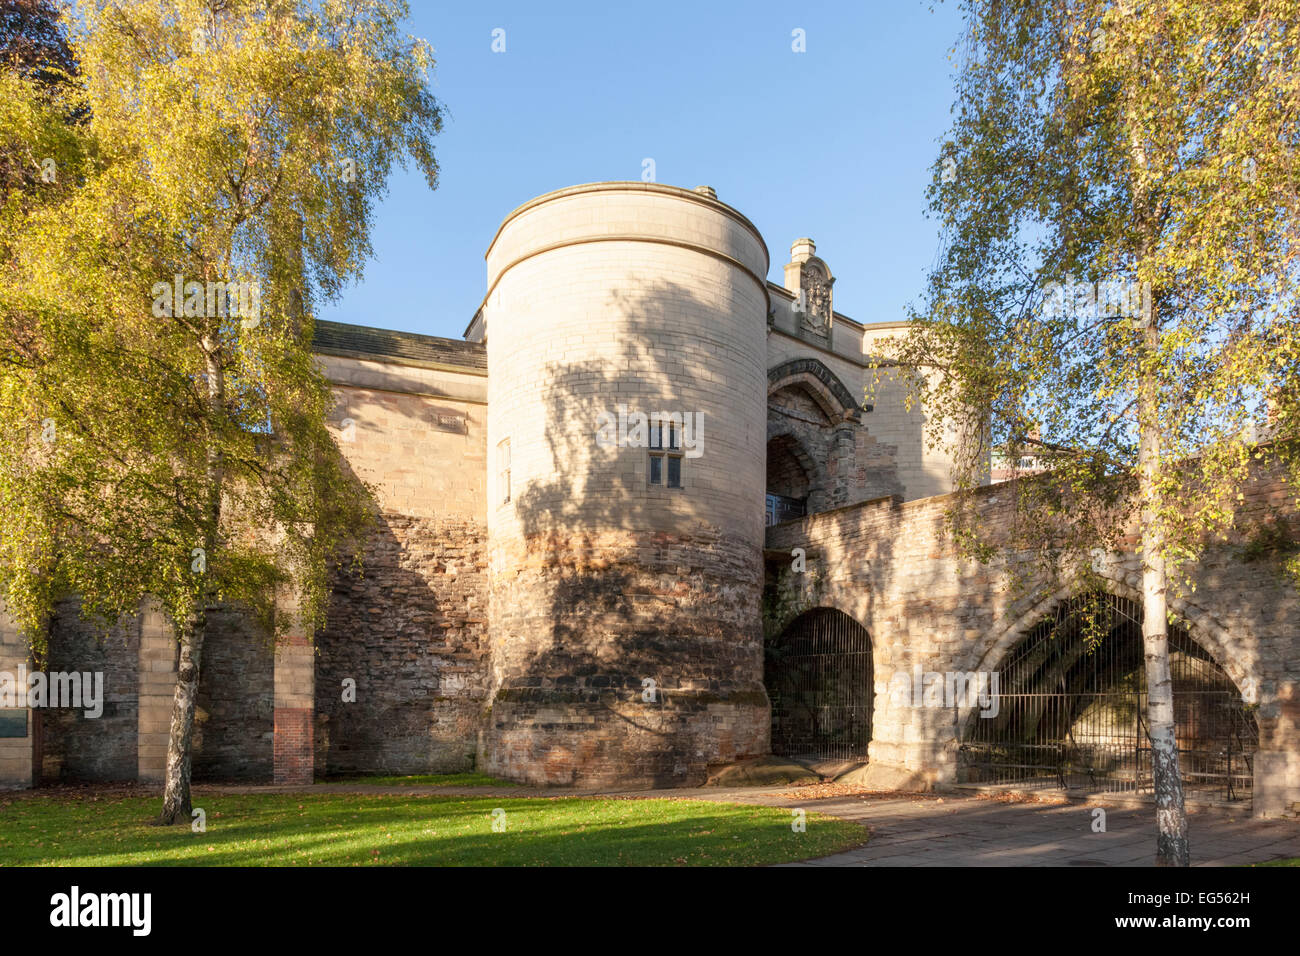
point(819, 680)
point(1072, 710)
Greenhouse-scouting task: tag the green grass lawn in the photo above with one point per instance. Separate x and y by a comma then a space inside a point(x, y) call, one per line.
point(353, 830)
point(429, 780)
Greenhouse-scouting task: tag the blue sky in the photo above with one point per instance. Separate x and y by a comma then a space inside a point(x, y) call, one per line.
point(833, 143)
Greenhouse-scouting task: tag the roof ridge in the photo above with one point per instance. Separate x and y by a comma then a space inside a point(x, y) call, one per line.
point(346, 339)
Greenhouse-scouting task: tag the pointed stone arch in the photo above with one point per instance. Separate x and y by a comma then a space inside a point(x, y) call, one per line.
point(818, 672)
point(1235, 656)
point(825, 387)
point(1075, 710)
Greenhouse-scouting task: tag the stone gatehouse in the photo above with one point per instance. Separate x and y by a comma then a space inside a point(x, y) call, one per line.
point(560, 610)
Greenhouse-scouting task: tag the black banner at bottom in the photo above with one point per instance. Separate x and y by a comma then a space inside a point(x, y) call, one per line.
point(335, 906)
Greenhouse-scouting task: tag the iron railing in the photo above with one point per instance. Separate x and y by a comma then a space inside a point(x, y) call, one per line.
point(819, 680)
point(781, 508)
point(1072, 710)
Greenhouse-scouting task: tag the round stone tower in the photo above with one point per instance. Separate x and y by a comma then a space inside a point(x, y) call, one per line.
point(626, 332)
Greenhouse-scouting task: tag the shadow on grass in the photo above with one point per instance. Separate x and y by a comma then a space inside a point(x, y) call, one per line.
point(393, 830)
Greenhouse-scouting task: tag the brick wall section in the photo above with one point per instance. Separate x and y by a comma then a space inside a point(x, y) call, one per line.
point(889, 565)
point(294, 757)
point(293, 746)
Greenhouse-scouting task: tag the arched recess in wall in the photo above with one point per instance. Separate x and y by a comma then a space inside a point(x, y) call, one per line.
point(819, 678)
point(795, 483)
point(800, 437)
point(1069, 709)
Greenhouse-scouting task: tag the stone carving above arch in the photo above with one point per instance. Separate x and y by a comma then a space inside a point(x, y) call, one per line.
point(810, 279)
point(823, 384)
point(815, 292)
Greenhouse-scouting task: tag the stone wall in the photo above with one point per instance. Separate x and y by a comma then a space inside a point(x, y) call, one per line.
point(642, 668)
point(416, 435)
point(865, 455)
point(76, 747)
point(15, 751)
point(127, 741)
point(890, 566)
point(923, 470)
point(829, 460)
point(411, 632)
point(234, 723)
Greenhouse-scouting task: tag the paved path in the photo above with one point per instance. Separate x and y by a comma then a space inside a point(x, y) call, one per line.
point(929, 830)
point(956, 829)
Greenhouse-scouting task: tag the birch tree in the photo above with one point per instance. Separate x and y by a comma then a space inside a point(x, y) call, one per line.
point(162, 421)
point(1115, 295)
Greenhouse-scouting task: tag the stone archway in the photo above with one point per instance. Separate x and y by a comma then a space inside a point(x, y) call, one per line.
point(1071, 708)
point(1120, 574)
point(825, 387)
point(819, 678)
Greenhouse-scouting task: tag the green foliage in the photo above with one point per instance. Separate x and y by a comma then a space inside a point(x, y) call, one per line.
point(211, 143)
point(1139, 148)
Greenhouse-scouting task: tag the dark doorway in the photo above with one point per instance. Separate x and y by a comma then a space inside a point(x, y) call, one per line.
point(819, 678)
point(787, 481)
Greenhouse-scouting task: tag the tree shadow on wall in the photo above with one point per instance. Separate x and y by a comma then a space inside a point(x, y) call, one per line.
point(642, 584)
point(409, 631)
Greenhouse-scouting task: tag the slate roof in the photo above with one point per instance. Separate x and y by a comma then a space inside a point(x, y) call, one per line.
point(361, 341)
